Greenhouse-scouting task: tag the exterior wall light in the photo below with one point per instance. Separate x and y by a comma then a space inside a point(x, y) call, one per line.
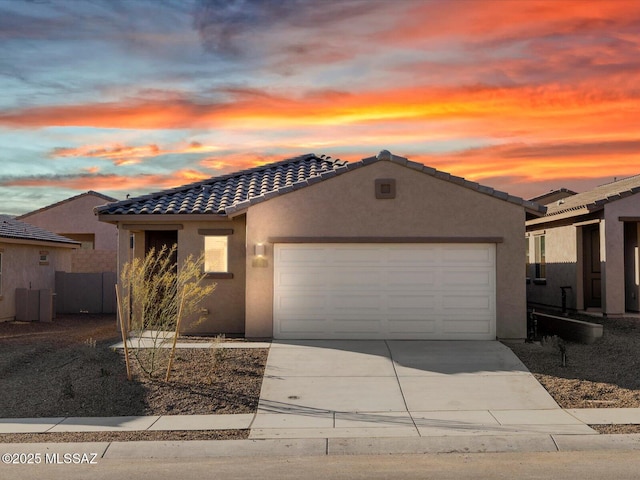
point(259, 249)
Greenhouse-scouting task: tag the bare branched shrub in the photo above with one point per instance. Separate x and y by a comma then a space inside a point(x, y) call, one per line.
point(156, 295)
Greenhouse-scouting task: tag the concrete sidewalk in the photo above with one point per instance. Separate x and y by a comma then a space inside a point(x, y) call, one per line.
point(332, 446)
point(349, 398)
point(344, 424)
point(370, 436)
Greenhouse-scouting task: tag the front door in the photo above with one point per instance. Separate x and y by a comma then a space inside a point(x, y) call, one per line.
point(157, 239)
point(592, 267)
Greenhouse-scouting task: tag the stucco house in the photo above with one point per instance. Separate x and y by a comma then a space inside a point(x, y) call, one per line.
point(74, 218)
point(589, 243)
point(316, 248)
point(29, 259)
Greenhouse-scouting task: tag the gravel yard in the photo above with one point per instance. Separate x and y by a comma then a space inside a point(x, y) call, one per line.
point(67, 368)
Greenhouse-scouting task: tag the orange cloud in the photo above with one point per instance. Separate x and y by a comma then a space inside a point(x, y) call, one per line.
point(119, 154)
point(231, 162)
point(272, 112)
point(542, 162)
point(128, 155)
point(492, 19)
point(110, 182)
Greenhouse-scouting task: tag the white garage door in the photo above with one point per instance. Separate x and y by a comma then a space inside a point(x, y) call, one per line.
point(384, 291)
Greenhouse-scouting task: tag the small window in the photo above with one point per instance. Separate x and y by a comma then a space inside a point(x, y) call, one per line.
point(540, 257)
point(216, 254)
point(44, 257)
point(87, 240)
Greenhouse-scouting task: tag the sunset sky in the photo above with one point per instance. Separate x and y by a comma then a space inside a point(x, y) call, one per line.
point(132, 96)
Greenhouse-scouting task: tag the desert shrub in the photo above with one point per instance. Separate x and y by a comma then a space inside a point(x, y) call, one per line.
point(156, 294)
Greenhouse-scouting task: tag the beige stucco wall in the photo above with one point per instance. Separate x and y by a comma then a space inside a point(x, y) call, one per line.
point(613, 260)
point(346, 206)
point(562, 250)
point(21, 269)
point(76, 217)
point(226, 306)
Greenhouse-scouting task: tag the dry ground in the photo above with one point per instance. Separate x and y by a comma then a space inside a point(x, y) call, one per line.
point(603, 375)
point(66, 368)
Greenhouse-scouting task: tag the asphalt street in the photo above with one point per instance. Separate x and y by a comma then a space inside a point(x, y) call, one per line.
point(621, 465)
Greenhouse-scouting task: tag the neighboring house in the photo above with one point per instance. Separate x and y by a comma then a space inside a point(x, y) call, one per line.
point(311, 247)
point(553, 196)
point(74, 219)
point(29, 259)
point(588, 242)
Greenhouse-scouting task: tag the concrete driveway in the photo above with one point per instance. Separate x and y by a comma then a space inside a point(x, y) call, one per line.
point(402, 388)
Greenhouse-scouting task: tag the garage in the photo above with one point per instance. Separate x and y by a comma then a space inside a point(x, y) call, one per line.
point(426, 291)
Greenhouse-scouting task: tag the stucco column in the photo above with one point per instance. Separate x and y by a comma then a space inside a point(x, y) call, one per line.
point(612, 247)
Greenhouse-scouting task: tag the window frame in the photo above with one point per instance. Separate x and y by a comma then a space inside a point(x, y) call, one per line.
point(540, 259)
point(527, 254)
point(210, 233)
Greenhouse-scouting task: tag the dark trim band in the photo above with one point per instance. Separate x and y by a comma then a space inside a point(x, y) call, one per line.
point(386, 239)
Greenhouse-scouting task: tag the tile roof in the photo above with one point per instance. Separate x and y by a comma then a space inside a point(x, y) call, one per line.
point(222, 195)
point(104, 197)
point(237, 191)
point(15, 229)
point(596, 199)
point(561, 192)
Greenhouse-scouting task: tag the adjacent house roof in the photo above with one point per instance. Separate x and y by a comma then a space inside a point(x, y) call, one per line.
point(106, 198)
point(232, 193)
point(595, 199)
point(553, 195)
point(10, 228)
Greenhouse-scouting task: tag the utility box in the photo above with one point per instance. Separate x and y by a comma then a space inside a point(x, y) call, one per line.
point(34, 305)
point(46, 305)
point(27, 305)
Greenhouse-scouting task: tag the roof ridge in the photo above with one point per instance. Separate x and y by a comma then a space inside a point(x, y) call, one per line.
point(616, 180)
point(228, 197)
point(30, 231)
point(598, 196)
point(386, 155)
point(66, 200)
point(228, 176)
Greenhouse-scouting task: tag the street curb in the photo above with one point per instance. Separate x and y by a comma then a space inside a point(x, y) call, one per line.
point(335, 446)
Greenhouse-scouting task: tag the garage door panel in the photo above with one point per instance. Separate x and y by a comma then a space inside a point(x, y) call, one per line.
point(393, 291)
point(452, 326)
point(411, 278)
point(466, 302)
point(356, 279)
point(356, 326)
point(416, 302)
point(303, 325)
point(307, 278)
point(301, 256)
point(413, 257)
point(412, 326)
point(350, 256)
point(360, 304)
point(468, 255)
point(301, 303)
point(467, 278)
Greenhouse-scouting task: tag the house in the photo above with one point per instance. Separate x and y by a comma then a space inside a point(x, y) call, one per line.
point(588, 244)
point(553, 196)
point(313, 247)
point(29, 259)
point(74, 218)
